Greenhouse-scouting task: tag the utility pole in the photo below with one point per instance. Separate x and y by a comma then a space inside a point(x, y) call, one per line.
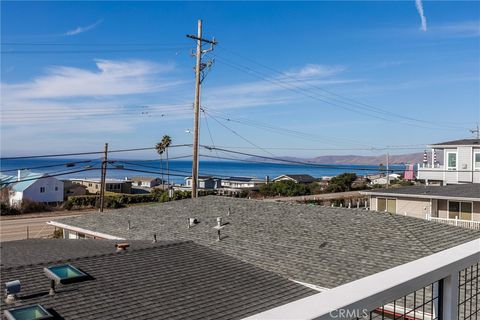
point(103, 178)
point(199, 76)
point(388, 173)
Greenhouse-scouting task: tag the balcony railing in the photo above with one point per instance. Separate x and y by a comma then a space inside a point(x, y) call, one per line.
point(444, 285)
point(470, 224)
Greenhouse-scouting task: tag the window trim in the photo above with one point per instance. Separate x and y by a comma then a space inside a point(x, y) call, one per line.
point(42, 189)
point(460, 209)
point(456, 160)
point(475, 153)
point(386, 204)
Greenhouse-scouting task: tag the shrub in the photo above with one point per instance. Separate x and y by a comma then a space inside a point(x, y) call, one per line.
point(57, 234)
point(29, 206)
point(6, 209)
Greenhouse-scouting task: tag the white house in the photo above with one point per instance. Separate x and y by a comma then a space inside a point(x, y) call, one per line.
point(383, 179)
point(242, 182)
point(461, 163)
point(204, 182)
point(146, 182)
point(37, 187)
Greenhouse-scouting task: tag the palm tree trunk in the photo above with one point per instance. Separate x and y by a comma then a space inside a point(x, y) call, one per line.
point(168, 170)
point(161, 172)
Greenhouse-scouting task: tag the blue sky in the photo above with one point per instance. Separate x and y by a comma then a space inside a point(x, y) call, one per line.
point(303, 75)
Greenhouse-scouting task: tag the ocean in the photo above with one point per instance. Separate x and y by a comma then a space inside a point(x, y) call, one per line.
point(179, 169)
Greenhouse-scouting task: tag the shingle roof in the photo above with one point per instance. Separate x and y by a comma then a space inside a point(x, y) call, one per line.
point(463, 191)
point(461, 142)
point(322, 246)
point(180, 280)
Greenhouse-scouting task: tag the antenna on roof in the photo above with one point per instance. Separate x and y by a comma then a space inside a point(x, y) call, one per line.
point(477, 131)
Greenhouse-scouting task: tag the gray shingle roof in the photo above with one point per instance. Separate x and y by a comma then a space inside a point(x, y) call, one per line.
point(180, 280)
point(461, 142)
point(469, 190)
point(322, 246)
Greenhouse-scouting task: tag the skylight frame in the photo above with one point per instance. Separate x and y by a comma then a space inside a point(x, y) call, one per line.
point(10, 313)
point(51, 274)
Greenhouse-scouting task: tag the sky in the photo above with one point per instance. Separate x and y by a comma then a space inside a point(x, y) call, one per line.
point(287, 78)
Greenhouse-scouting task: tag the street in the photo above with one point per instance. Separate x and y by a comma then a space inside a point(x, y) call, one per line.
point(23, 228)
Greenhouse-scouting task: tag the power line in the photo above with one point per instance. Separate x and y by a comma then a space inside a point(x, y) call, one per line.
point(47, 175)
point(88, 153)
point(238, 135)
point(67, 164)
point(339, 97)
point(315, 95)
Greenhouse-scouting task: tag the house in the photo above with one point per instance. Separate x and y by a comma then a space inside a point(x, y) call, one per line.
point(461, 163)
point(458, 201)
point(146, 182)
point(111, 185)
point(138, 280)
point(242, 182)
point(319, 246)
point(37, 187)
point(297, 178)
point(383, 179)
point(73, 189)
point(204, 182)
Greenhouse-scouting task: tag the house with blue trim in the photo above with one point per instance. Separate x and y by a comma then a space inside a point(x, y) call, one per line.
point(32, 186)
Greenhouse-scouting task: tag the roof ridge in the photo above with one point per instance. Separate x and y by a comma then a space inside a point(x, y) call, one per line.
point(151, 246)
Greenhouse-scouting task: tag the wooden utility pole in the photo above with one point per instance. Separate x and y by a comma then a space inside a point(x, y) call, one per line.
point(103, 178)
point(199, 67)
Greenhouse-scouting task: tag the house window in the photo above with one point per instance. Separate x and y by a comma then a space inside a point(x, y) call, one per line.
point(386, 205)
point(476, 161)
point(451, 160)
point(462, 210)
point(56, 188)
point(42, 189)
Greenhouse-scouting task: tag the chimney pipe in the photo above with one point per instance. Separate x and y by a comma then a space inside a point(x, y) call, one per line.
point(19, 175)
point(154, 238)
point(219, 221)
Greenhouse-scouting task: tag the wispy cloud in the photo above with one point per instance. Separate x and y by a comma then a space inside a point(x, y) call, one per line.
point(79, 30)
point(423, 19)
point(111, 78)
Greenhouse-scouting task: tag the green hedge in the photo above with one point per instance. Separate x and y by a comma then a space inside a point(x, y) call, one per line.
point(121, 200)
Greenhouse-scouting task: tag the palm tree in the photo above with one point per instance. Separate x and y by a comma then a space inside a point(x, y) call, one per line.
point(167, 141)
point(162, 147)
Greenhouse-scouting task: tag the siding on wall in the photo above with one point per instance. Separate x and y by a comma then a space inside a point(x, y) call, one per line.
point(464, 163)
point(413, 207)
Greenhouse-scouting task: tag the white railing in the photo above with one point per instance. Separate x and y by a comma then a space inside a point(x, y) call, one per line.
point(470, 224)
point(380, 289)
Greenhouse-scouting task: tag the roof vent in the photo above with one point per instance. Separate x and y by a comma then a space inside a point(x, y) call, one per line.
point(219, 227)
point(122, 246)
point(192, 222)
point(11, 290)
point(229, 212)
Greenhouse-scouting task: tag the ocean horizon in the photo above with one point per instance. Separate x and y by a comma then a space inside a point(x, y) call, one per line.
point(179, 169)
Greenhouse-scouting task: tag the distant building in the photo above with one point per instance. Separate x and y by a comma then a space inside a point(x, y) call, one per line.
point(147, 182)
point(460, 201)
point(461, 163)
point(242, 182)
point(37, 187)
point(73, 189)
point(383, 180)
point(111, 185)
point(204, 182)
point(297, 178)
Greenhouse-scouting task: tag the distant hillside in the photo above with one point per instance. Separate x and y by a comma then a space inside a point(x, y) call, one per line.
point(354, 159)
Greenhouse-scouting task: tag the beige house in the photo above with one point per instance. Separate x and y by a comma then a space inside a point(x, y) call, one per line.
point(455, 202)
point(111, 185)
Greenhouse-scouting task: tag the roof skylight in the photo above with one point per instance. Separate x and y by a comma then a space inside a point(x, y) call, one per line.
point(32, 312)
point(65, 273)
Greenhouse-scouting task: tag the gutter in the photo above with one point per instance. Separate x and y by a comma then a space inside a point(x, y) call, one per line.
point(419, 196)
point(85, 231)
